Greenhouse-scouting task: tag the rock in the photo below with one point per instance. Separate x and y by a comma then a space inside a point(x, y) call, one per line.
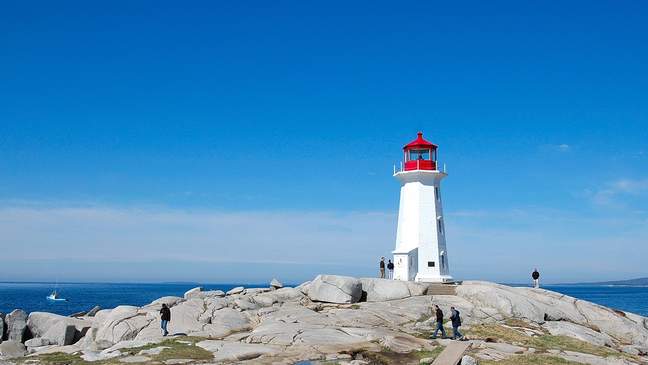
point(38, 342)
point(193, 293)
point(539, 305)
point(237, 290)
point(78, 314)
point(122, 323)
point(591, 359)
point(335, 289)
point(170, 301)
point(10, 349)
point(2, 326)
point(16, 323)
point(93, 311)
point(628, 349)
point(276, 284)
point(246, 303)
point(379, 290)
point(426, 360)
point(254, 291)
point(468, 360)
point(59, 330)
point(212, 294)
point(236, 351)
point(578, 332)
point(303, 287)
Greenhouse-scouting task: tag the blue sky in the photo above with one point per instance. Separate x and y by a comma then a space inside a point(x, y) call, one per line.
point(147, 141)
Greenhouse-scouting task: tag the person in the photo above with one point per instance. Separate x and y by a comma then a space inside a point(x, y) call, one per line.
point(439, 323)
point(390, 267)
point(456, 323)
point(536, 278)
point(382, 267)
point(165, 318)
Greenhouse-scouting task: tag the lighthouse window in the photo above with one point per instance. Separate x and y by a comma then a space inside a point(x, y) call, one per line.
point(419, 155)
point(440, 225)
point(436, 194)
point(430, 263)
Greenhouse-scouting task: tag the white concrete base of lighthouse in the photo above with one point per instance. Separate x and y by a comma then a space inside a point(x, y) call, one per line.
point(406, 269)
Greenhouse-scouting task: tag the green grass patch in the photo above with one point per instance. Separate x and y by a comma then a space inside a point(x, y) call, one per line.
point(422, 354)
point(545, 342)
point(57, 358)
point(176, 350)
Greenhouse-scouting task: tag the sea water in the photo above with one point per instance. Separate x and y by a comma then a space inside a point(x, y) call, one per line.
point(31, 297)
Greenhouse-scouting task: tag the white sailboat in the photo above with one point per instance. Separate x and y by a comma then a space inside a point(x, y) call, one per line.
point(54, 296)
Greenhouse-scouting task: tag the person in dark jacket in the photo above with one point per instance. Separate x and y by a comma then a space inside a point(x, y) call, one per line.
point(536, 278)
point(456, 323)
point(390, 268)
point(439, 323)
point(165, 318)
point(382, 267)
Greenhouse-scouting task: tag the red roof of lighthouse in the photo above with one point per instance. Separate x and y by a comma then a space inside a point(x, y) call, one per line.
point(420, 142)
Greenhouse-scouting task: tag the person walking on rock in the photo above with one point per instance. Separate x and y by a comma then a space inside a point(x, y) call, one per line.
point(456, 323)
point(439, 323)
point(165, 318)
point(536, 278)
point(390, 268)
point(382, 267)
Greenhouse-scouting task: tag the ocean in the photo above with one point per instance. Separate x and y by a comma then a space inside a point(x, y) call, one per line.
point(83, 296)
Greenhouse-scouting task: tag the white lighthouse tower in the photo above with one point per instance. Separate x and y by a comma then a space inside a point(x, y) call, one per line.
point(421, 253)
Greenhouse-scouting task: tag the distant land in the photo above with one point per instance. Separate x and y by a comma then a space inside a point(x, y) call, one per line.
point(630, 282)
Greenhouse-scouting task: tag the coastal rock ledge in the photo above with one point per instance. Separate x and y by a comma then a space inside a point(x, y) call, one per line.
point(335, 320)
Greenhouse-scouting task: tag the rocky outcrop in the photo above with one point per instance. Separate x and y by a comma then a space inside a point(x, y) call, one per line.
point(337, 317)
point(199, 293)
point(335, 289)
point(276, 284)
point(2, 326)
point(11, 349)
point(378, 290)
point(16, 323)
point(539, 305)
point(586, 334)
point(237, 290)
point(56, 329)
point(121, 324)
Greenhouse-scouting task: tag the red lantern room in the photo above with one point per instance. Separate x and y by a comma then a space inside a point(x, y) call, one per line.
point(420, 154)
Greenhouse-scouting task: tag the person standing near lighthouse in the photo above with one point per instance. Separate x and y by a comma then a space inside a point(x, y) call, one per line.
point(536, 278)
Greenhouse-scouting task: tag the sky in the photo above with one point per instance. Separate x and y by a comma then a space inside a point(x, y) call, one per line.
point(236, 142)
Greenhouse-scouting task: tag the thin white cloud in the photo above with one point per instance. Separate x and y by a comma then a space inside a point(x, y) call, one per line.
point(612, 193)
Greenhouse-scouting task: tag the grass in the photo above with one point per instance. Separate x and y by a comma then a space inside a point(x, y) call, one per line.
point(422, 354)
point(175, 350)
point(541, 343)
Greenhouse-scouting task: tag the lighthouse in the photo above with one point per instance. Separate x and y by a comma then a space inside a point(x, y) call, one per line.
point(420, 253)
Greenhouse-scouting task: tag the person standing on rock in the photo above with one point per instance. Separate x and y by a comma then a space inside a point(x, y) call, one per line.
point(456, 323)
point(390, 268)
point(536, 278)
point(165, 318)
point(382, 267)
point(439, 323)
